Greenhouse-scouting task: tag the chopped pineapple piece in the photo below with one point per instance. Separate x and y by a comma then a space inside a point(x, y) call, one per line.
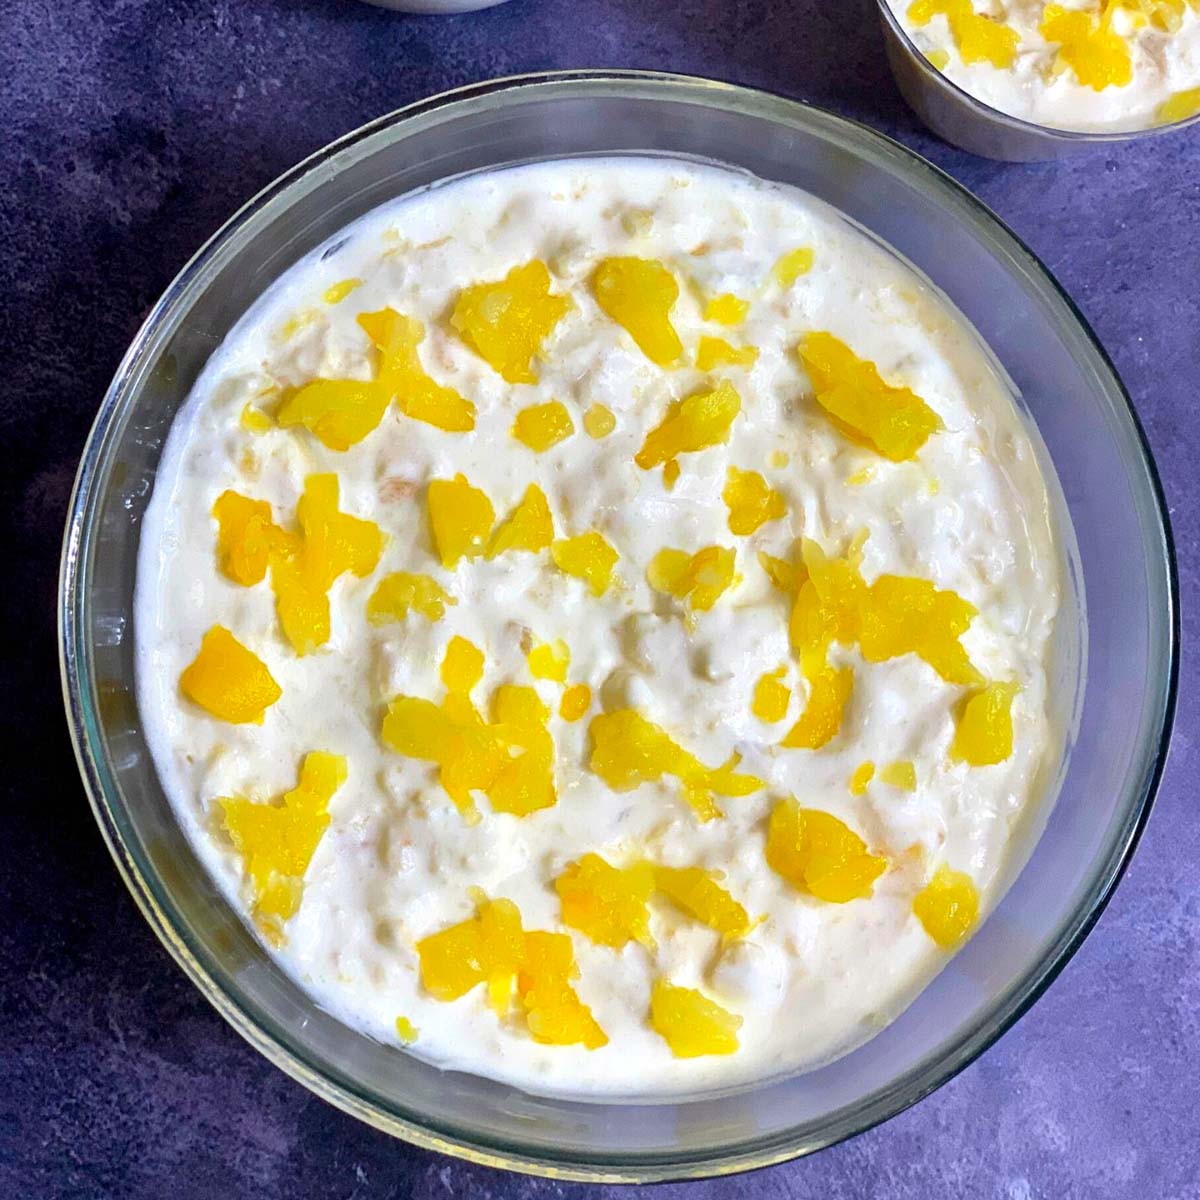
point(550, 660)
point(859, 781)
point(576, 700)
point(818, 854)
point(639, 293)
point(751, 501)
point(1088, 46)
point(893, 421)
point(821, 720)
point(541, 426)
point(406, 1031)
point(948, 906)
point(337, 412)
point(700, 578)
point(694, 424)
point(785, 576)
point(246, 537)
point(229, 681)
point(902, 775)
point(726, 309)
point(717, 352)
point(506, 322)
point(690, 1023)
point(554, 1012)
point(461, 518)
point(608, 904)
point(335, 293)
point(277, 841)
point(400, 593)
point(254, 420)
point(790, 266)
point(984, 733)
point(701, 896)
point(599, 421)
point(628, 750)
point(588, 557)
point(771, 697)
point(978, 38)
point(1178, 107)
point(530, 527)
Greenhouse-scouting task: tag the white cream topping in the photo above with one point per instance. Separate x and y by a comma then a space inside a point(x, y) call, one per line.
point(814, 978)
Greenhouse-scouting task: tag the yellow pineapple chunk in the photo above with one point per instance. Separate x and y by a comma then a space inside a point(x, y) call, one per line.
point(461, 518)
point(901, 774)
point(700, 578)
point(1178, 107)
point(400, 593)
point(554, 1013)
point(628, 750)
point(576, 700)
point(246, 537)
point(541, 426)
point(717, 352)
point(277, 841)
point(335, 293)
point(599, 421)
point(978, 38)
point(1088, 46)
point(751, 501)
point(529, 527)
point(859, 781)
point(337, 412)
point(948, 906)
point(506, 322)
point(790, 266)
point(984, 732)
point(550, 660)
point(821, 720)
point(690, 1023)
point(818, 854)
point(229, 681)
point(406, 1031)
point(699, 894)
point(726, 309)
point(608, 904)
point(771, 697)
point(694, 424)
point(893, 421)
point(589, 557)
point(639, 293)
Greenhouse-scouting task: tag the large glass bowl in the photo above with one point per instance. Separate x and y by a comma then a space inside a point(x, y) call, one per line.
point(1124, 562)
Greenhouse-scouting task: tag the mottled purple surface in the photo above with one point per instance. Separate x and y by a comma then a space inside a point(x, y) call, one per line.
point(129, 129)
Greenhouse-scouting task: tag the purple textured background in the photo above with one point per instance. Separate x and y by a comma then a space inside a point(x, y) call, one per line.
point(129, 129)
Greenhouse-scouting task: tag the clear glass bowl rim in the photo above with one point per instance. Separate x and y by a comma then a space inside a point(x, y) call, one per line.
point(1077, 137)
point(153, 896)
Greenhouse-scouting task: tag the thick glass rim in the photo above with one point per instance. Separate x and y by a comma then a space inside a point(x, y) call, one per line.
point(1076, 137)
point(277, 1044)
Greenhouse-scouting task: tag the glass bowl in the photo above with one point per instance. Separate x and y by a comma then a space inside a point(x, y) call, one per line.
point(1124, 562)
point(966, 121)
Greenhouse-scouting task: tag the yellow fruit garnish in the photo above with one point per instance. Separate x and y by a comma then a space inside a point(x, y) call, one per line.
point(510, 760)
point(401, 375)
point(406, 1031)
point(576, 700)
point(790, 266)
point(690, 1023)
point(861, 476)
point(893, 421)
point(819, 723)
point(541, 426)
point(751, 501)
point(628, 750)
point(671, 474)
point(771, 697)
point(726, 309)
point(700, 578)
point(599, 421)
point(1178, 107)
point(255, 420)
point(938, 58)
point(863, 774)
point(902, 775)
point(639, 293)
point(277, 841)
point(948, 906)
point(698, 893)
point(978, 38)
point(530, 527)
point(818, 854)
point(493, 948)
point(400, 593)
point(1087, 45)
point(608, 904)
point(717, 352)
point(553, 1011)
point(550, 660)
point(690, 425)
point(246, 537)
point(330, 544)
point(335, 293)
point(505, 323)
point(486, 948)
point(984, 732)
point(229, 681)
point(461, 518)
point(784, 576)
point(337, 412)
point(588, 557)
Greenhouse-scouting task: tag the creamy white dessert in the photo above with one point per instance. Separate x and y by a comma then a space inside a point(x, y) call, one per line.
point(791, 937)
point(1083, 65)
